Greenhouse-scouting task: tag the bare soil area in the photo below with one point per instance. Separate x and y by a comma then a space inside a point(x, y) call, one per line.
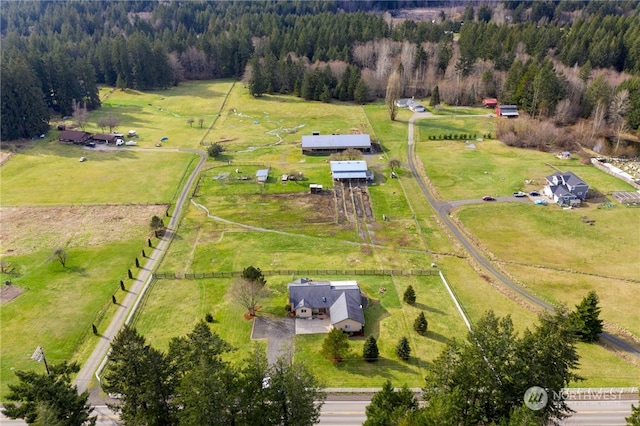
point(24, 230)
point(9, 292)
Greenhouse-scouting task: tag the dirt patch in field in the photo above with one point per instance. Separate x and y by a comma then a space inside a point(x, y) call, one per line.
point(9, 292)
point(27, 229)
point(318, 208)
point(4, 156)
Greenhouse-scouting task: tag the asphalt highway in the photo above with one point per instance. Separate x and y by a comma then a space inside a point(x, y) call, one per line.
point(350, 413)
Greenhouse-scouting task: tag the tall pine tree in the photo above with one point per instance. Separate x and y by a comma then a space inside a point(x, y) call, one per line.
point(586, 318)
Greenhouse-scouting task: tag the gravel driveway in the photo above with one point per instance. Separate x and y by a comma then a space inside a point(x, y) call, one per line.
point(279, 333)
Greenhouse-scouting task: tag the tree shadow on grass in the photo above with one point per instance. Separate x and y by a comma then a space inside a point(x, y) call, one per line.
point(426, 308)
point(437, 337)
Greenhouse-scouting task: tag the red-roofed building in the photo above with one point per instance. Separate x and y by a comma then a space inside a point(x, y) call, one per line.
point(490, 102)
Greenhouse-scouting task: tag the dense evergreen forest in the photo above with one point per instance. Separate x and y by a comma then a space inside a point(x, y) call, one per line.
point(560, 59)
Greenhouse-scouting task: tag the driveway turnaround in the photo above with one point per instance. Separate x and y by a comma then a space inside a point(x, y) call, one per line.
point(279, 333)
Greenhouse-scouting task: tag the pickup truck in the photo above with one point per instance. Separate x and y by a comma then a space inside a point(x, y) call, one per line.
point(519, 194)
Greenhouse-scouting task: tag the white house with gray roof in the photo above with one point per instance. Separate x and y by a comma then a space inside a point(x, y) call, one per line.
point(566, 189)
point(341, 300)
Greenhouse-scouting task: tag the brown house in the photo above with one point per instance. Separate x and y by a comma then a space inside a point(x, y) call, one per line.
point(106, 138)
point(74, 136)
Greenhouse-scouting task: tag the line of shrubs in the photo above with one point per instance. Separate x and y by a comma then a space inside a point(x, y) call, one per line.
point(458, 136)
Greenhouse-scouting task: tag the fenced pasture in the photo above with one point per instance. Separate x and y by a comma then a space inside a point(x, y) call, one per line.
point(164, 113)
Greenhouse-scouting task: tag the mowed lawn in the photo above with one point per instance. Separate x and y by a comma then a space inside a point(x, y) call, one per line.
point(49, 173)
point(174, 306)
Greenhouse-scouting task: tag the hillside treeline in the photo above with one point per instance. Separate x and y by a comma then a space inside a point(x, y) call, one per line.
point(534, 54)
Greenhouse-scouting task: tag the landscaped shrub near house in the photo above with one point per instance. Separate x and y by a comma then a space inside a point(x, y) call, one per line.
point(208, 318)
point(409, 295)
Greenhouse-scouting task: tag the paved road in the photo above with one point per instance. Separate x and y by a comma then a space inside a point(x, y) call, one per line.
point(442, 210)
point(137, 287)
point(588, 413)
point(348, 413)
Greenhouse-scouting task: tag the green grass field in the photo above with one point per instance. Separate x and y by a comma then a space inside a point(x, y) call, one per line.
point(50, 174)
point(164, 113)
point(296, 234)
point(178, 305)
point(59, 304)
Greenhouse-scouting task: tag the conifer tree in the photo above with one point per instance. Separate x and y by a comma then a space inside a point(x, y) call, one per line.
point(335, 346)
point(420, 324)
point(435, 97)
point(586, 318)
point(409, 295)
point(403, 350)
point(370, 351)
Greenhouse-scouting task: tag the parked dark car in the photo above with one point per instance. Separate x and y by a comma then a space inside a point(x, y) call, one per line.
point(534, 193)
point(488, 198)
point(90, 144)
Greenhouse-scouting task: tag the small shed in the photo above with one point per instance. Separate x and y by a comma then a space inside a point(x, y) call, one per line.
point(490, 102)
point(510, 111)
point(262, 175)
point(315, 188)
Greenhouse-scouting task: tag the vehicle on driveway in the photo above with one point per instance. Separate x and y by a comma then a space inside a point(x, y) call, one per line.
point(541, 202)
point(534, 193)
point(519, 194)
point(488, 198)
point(90, 144)
point(83, 159)
point(119, 142)
point(131, 143)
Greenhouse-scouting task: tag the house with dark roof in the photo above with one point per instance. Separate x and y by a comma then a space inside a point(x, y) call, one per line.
point(342, 301)
point(509, 111)
point(74, 136)
point(350, 170)
point(327, 144)
point(566, 189)
point(106, 137)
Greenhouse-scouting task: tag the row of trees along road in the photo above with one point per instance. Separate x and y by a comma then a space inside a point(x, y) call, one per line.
point(192, 384)
point(55, 53)
point(484, 380)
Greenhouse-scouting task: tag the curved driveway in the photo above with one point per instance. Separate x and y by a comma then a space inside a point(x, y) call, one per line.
point(442, 210)
point(136, 289)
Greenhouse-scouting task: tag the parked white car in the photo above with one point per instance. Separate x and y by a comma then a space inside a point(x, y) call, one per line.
point(83, 159)
point(119, 142)
point(131, 143)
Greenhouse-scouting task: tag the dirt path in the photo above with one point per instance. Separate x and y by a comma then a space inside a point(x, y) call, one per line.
point(98, 358)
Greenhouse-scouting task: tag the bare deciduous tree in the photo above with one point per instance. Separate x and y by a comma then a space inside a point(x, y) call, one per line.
point(393, 94)
point(80, 113)
point(617, 111)
point(200, 121)
point(60, 255)
point(109, 121)
point(190, 122)
point(247, 293)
